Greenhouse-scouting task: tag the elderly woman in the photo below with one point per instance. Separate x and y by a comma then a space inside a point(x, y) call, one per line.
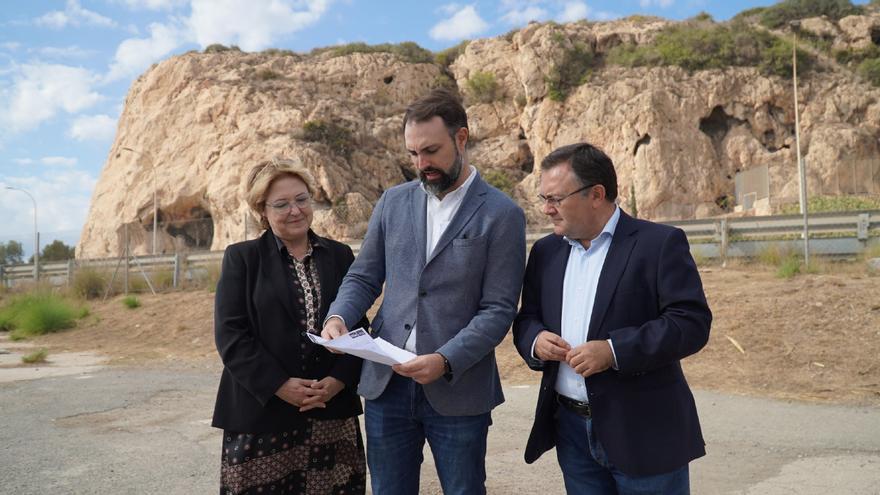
point(287, 407)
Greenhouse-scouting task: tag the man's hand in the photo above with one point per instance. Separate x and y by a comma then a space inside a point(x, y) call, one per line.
point(551, 347)
point(423, 369)
point(325, 388)
point(590, 357)
point(295, 391)
point(334, 327)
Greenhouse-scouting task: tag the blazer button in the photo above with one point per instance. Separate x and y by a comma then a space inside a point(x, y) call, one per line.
point(407, 326)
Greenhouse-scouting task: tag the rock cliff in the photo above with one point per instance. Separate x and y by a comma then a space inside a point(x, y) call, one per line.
point(194, 124)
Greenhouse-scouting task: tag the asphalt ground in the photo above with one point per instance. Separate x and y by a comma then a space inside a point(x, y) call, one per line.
point(147, 430)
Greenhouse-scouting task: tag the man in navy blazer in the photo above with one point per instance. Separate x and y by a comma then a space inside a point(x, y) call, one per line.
point(610, 305)
point(448, 254)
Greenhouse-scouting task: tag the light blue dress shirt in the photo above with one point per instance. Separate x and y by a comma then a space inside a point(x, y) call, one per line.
point(578, 295)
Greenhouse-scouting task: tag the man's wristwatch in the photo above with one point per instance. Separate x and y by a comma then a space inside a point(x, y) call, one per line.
point(447, 368)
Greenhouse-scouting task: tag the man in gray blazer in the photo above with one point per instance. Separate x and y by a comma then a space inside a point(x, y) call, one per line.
point(450, 251)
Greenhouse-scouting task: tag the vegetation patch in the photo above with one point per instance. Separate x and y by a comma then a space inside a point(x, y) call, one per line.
point(780, 14)
point(483, 87)
point(789, 267)
point(447, 57)
point(267, 75)
point(131, 302)
point(36, 357)
point(339, 139)
point(38, 313)
point(702, 47)
point(407, 51)
point(89, 283)
point(572, 71)
point(219, 48)
point(820, 204)
point(499, 180)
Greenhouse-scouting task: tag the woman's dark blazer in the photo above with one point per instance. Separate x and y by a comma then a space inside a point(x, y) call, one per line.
point(260, 338)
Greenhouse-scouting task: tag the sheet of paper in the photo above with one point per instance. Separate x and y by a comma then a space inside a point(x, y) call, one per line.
point(359, 343)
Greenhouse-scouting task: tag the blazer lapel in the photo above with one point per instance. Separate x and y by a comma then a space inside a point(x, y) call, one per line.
point(419, 202)
point(615, 262)
point(554, 280)
point(275, 271)
point(473, 199)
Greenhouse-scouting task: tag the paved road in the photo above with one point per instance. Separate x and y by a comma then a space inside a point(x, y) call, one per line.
point(121, 430)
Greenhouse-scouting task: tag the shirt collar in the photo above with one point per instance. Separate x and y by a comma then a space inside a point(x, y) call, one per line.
point(462, 189)
point(607, 231)
point(315, 241)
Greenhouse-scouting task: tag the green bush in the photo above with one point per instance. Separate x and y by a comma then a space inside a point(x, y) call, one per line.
point(37, 313)
point(713, 47)
point(218, 48)
point(819, 204)
point(276, 52)
point(89, 283)
point(131, 302)
point(337, 138)
point(38, 356)
point(786, 11)
point(267, 75)
point(483, 87)
point(789, 267)
point(499, 180)
point(448, 56)
point(407, 51)
point(571, 72)
point(870, 70)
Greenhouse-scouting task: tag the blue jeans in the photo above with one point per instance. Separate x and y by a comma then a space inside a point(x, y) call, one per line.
point(397, 424)
point(587, 471)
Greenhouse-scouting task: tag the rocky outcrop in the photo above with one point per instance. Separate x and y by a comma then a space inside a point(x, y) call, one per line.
point(194, 124)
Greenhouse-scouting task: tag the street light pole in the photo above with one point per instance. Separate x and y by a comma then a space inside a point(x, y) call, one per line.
point(155, 202)
point(36, 235)
point(802, 175)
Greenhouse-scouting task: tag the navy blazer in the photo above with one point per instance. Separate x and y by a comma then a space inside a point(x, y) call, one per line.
point(259, 336)
point(650, 303)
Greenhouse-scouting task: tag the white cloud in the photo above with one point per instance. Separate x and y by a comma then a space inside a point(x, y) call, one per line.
point(465, 23)
point(449, 8)
point(573, 11)
point(93, 127)
point(658, 3)
point(524, 15)
point(39, 91)
point(152, 4)
point(136, 54)
point(251, 25)
point(10, 46)
point(74, 15)
point(58, 161)
point(62, 197)
point(23, 161)
point(71, 51)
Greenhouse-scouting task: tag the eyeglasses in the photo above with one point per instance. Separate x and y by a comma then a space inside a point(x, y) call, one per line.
point(284, 206)
point(555, 202)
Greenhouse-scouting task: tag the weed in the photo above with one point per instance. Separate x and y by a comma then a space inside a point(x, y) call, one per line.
point(339, 139)
point(819, 204)
point(131, 302)
point(572, 71)
point(448, 56)
point(499, 180)
point(89, 283)
point(37, 313)
point(38, 356)
point(483, 87)
point(789, 267)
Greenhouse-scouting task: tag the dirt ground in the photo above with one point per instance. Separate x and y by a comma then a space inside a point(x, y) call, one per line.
point(814, 337)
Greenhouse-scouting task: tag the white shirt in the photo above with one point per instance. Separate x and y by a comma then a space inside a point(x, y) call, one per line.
point(438, 216)
point(578, 295)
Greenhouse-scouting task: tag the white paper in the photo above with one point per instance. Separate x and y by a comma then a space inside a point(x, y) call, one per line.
point(359, 343)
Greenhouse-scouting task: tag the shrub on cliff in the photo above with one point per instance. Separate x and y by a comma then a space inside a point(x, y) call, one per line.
point(713, 47)
point(337, 138)
point(572, 71)
point(407, 51)
point(483, 87)
point(786, 11)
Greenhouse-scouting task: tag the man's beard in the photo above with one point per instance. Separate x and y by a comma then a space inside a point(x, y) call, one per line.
point(446, 180)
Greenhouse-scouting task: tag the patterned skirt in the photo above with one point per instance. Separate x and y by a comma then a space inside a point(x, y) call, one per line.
point(323, 456)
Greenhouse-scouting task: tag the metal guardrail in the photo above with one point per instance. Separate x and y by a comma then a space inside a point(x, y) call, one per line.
point(830, 234)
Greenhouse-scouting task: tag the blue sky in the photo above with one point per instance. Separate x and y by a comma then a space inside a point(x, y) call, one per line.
point(65, 68)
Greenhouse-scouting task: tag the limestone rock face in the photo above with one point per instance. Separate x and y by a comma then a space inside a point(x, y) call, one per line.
point(195, 124)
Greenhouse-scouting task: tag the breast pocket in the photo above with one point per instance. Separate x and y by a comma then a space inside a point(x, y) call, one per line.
point(468, 242)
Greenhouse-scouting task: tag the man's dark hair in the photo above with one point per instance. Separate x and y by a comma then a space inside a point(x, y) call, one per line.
point(441, 103)
point(590, 165)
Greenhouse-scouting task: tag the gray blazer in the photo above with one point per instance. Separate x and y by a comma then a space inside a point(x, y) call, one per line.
point(462, 299)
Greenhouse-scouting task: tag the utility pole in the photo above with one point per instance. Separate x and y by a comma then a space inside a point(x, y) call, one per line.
point(802, 175)
point(36, 233)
